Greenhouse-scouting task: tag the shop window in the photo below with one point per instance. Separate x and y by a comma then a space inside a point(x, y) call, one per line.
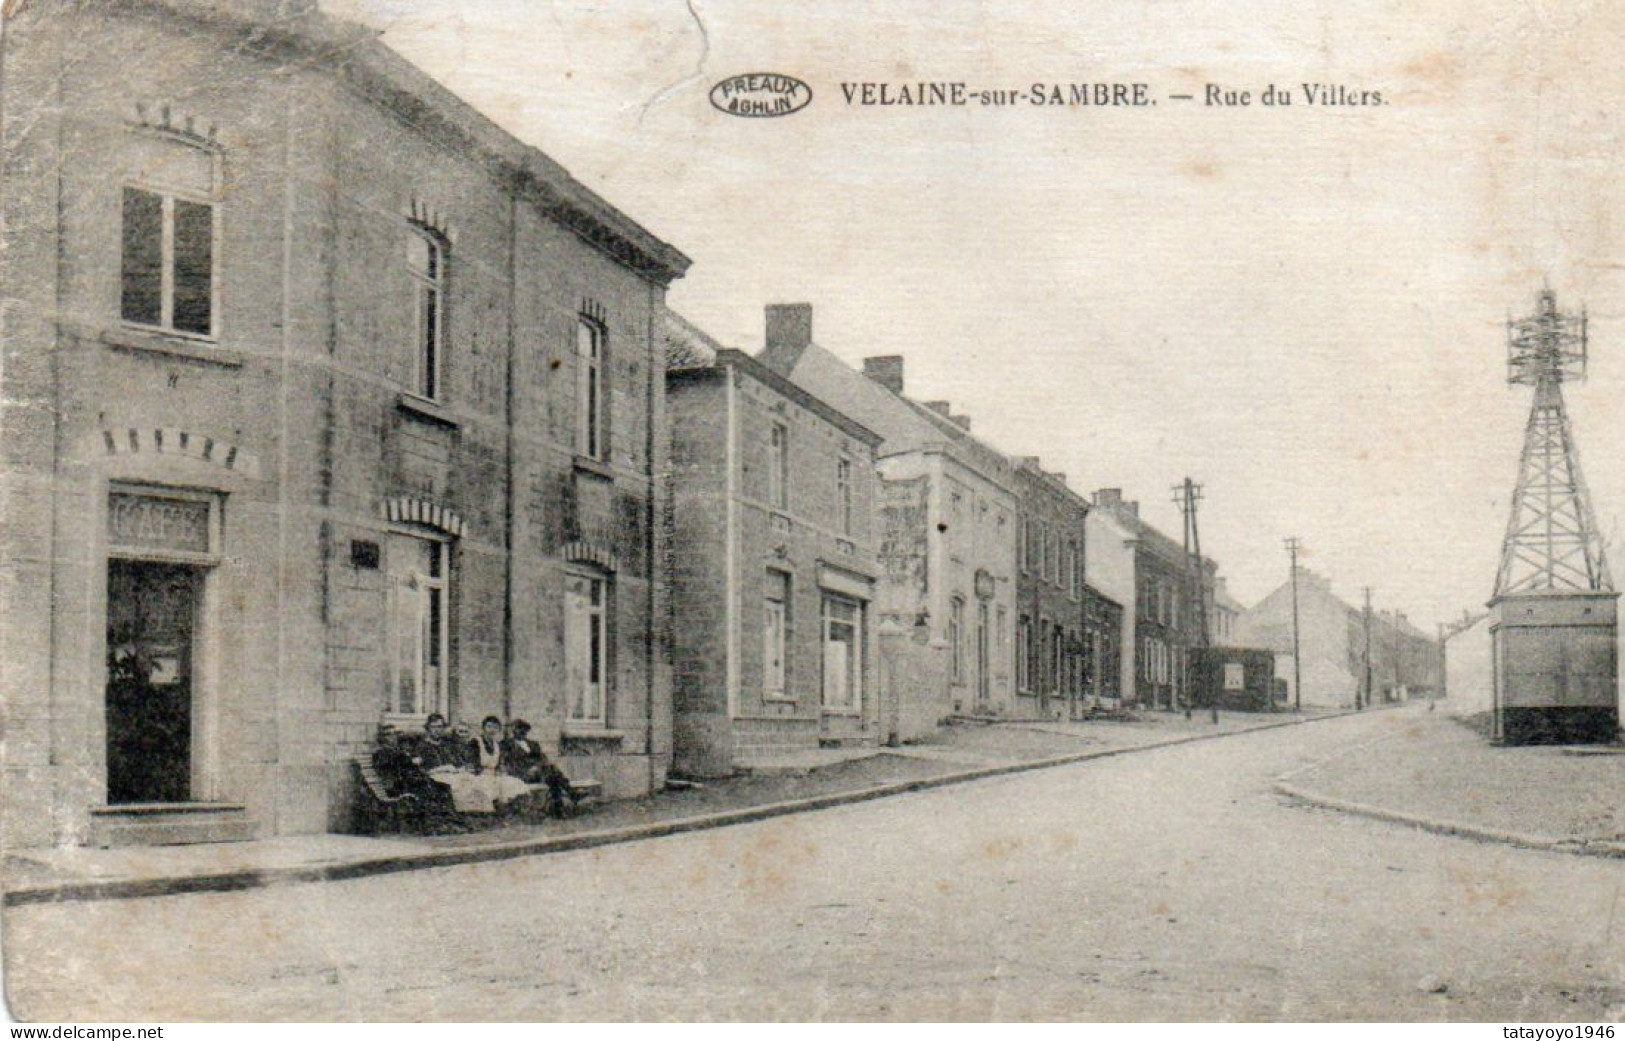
point(843, 653)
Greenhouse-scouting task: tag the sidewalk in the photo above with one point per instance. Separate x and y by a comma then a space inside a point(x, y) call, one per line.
point(958, 754)
point(1435, 773)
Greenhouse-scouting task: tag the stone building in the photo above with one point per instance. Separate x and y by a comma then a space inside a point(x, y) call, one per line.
point(946, 606)
point(326, 402)
point(1050, 616)
point(774, 564)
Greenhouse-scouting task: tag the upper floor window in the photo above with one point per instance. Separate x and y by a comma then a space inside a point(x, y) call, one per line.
point(592, 405)
point(426, 263)
point(778, 467)
point(169, 256)
point(843, 493)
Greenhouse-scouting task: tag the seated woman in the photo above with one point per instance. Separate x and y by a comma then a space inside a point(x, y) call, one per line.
point(498, 787)
point(451, 762)
point(524, 759)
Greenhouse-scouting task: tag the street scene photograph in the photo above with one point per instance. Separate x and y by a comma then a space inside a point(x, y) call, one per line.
point(677, 511)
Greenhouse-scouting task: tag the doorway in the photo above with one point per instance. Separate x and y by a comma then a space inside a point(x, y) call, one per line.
point(151, 629)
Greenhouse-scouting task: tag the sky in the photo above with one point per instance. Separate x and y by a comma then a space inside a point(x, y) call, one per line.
point(1300, 308)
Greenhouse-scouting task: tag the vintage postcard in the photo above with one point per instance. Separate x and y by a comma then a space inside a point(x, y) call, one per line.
point(552, 510)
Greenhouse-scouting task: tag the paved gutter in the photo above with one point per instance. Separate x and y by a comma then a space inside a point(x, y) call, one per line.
point(253, 878)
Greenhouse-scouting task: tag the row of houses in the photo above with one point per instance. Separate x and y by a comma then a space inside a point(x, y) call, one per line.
point(328, 403)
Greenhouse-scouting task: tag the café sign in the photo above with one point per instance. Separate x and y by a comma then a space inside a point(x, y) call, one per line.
point(151, 522)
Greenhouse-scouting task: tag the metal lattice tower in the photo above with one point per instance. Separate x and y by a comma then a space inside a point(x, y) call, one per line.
point(1552, 541)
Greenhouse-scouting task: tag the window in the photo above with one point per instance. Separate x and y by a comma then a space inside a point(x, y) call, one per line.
point(418, 630)
point(983, 654)
point(775, 627)
point(168, 276)
point(592, 438)
point(1021, 543)
point(426, 263)
point(1024, 653)
point(843, 654)
point(956, 638)
point(843, 493)
point(778, 467)
point(1074, 569)
point(586, 649)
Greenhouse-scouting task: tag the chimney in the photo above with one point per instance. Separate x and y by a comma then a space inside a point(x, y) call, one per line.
point(962, 422)
point(941, 408)
point(1109, 497)
point(886, 370)
point(789, 333)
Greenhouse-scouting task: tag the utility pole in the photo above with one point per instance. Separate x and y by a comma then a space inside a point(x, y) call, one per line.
point(1297, 658)
point(1187, 495)
point(1184, 650)
point(1368, 701)
point(1399, 653)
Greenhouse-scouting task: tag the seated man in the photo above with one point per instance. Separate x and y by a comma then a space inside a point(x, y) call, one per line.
point(403, 775)
point(523, 758)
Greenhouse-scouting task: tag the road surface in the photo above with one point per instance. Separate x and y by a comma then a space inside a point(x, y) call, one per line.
point(1169, 884)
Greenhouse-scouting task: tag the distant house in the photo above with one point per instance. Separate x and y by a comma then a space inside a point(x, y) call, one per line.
point(1469, 677)
point(774, 564)
point(1332, 637)
point(1109, 591)
point(1226, 609)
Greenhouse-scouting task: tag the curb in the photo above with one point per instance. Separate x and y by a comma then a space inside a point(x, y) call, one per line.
point(1524, 840)
point(220, 882)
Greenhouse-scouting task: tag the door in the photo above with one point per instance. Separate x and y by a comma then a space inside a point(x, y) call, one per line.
point(151, 626)
point(843, 654)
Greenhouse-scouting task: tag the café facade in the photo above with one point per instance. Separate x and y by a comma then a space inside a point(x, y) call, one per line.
point(326, 403)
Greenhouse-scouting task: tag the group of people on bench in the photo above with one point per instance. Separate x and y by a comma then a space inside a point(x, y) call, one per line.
point(452, 771)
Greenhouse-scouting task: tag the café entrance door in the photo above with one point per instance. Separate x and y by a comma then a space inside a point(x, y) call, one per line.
point(151, 628)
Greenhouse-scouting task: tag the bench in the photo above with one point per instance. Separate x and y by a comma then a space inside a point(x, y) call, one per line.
point(384, 811)
point(404, 813)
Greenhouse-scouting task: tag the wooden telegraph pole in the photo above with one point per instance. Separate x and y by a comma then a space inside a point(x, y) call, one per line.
point(1367, 650)
point(1292, 545)
point(1187, 495)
